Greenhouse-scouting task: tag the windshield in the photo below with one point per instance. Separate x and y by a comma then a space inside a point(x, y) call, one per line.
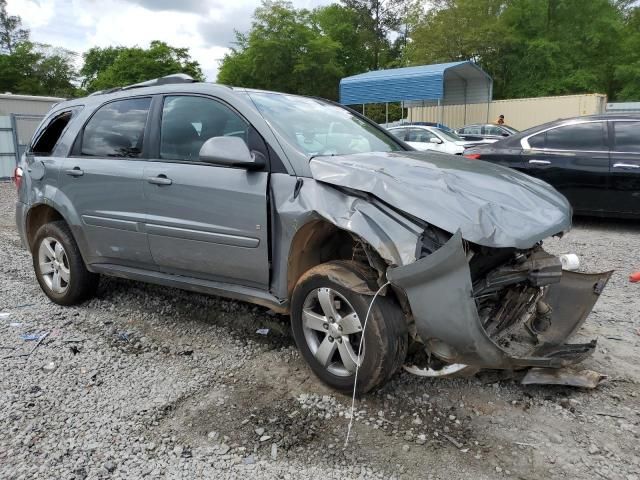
point(449, 135)
point(317, 128)
point(509, 129)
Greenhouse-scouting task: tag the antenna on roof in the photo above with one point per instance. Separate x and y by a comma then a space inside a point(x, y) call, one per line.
point(166, 80)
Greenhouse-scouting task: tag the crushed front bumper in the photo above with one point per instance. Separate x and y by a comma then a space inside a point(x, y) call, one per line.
point(440, 293)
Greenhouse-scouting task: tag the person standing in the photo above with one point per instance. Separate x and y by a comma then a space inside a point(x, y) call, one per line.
point(500, 120)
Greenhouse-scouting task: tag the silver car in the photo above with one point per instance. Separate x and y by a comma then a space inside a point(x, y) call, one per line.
point(310, 209)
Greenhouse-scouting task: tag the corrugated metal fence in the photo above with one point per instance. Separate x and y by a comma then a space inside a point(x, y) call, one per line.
point(15, 132)
point(520, 113)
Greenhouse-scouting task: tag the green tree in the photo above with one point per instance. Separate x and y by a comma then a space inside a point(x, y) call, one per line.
point(378, 19)
point(627, 72)
point(284, 51)
point(342, 25)
point(535, 47)
point(32, 68)
point(11, 31)
point(118, 66)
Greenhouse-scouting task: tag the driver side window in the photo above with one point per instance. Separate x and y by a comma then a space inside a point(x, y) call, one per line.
point(188, 122)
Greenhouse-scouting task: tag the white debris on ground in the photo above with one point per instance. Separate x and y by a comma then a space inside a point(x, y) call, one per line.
point(156, 382)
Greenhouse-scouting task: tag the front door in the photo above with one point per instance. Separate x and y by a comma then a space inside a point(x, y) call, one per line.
point(575, 160)
point(102, 181)
point(625, 167)
point(205, 220)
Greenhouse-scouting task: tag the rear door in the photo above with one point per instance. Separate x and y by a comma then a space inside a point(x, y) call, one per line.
point(625, 166)
point(205, 220)
point(102, 180)
point(575, 160)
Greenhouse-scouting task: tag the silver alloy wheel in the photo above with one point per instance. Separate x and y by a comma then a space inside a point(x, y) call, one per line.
point(54, 265)
point(333, 331)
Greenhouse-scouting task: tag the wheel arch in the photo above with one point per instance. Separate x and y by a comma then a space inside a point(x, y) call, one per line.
point(46, 212)
point(320, 241)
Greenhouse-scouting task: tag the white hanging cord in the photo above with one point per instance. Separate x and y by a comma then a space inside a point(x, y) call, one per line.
point(355, 380)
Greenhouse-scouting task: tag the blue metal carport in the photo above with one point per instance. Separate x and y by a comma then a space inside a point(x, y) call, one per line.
point(454, 83)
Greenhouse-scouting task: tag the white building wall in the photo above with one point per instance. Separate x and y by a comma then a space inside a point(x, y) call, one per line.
point(520, 113)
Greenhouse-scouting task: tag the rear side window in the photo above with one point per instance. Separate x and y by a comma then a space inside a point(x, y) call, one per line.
point(188, 122)
point(493, 130)
point(46, 140)
point(474, 130)
point(398, 133)
point(418, 135)
point(626, 136)
point(581, 136)
point(117, 129)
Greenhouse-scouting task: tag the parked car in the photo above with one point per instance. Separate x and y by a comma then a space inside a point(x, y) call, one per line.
point(594, 161)
point(441, 126)
point(308, 208)
point(422, 137)
point(489, 132)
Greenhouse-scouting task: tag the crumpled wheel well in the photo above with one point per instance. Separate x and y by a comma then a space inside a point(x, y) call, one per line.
point(38, 216)
point(320, 241)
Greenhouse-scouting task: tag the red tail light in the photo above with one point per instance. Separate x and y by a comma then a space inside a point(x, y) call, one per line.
point(473, 156)
point(17, 177)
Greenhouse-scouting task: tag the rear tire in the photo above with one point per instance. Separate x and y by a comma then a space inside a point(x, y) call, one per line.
point(59, 267)
point(327, 317)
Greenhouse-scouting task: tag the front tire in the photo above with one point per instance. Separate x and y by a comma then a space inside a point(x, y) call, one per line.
point(328, 318)
point(59, 267)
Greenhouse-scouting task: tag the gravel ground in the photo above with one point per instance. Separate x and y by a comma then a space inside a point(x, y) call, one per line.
point(146, 381)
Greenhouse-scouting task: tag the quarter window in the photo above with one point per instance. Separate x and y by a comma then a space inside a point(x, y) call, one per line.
point(188, 122)
point(537, 141)
point(581, 136)
point(45, 141)
point(627, 136)
point(117, 129)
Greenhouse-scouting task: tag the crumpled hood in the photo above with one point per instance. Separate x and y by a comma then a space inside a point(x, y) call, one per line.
point(492, 205)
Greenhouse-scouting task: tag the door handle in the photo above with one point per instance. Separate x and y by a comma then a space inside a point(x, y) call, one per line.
point(160, 180)
point(625, 165)
point(540, 162)
point(74, 172)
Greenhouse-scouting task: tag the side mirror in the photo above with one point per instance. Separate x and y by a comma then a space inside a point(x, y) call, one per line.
point(435, 140)
point(505, 134)
point(230, 152)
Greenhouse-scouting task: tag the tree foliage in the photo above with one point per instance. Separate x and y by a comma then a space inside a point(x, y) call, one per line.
point(307, 52)
point(11, 31)
point(286, 50)
point(32, 68)
point(536, 47)
point(118, 66)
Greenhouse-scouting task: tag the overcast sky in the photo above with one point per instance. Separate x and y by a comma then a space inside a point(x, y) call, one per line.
point(204, 26)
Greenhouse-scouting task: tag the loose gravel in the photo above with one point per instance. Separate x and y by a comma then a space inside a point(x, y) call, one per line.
point(147, 381)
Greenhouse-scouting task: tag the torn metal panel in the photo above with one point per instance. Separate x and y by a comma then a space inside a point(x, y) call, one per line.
point(571, 301)
point(442, 301)
point(392, 236)
point(491, 205)
point(441, 297)
point(563, 376)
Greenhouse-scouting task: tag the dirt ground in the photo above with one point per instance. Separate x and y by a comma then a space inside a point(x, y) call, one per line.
point(147, 381)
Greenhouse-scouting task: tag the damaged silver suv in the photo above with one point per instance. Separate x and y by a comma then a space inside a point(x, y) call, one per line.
point(308, 208)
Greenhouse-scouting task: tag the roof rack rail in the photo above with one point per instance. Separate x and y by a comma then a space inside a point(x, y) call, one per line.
point(166, 80)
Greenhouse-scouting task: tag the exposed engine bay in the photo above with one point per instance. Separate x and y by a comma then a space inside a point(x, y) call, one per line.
point(514, 308)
